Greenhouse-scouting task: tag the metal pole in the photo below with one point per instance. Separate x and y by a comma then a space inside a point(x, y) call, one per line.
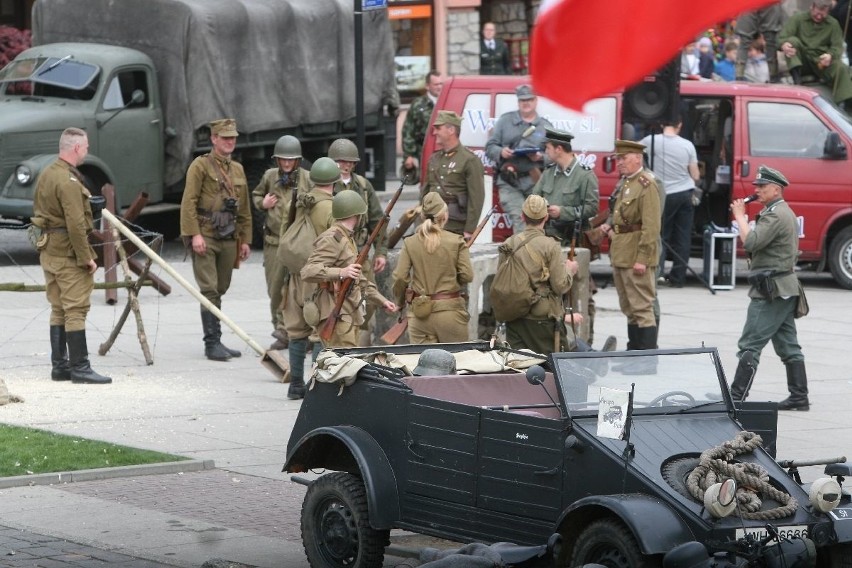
point(360, 137)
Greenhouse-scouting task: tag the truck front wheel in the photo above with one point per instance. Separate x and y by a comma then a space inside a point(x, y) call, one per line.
point(336, 530)
point(840, 258)
point(610, 543)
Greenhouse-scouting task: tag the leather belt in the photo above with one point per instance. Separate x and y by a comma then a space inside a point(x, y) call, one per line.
point(442, 295)
point(627, 228)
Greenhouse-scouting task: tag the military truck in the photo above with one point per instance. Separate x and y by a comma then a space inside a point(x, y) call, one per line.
point(145, 79)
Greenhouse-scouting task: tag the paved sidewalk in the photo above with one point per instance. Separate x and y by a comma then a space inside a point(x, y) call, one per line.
point(235, 413)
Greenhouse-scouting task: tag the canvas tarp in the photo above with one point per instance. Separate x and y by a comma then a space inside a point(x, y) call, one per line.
point(268, 63)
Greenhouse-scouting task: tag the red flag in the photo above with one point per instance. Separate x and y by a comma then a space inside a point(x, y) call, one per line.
point(582, 49)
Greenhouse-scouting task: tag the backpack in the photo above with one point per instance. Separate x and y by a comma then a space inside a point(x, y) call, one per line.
point(297, 242)
point(512, 292)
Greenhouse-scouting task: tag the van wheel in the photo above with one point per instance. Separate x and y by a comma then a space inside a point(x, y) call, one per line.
point(336, 531)
point(610, 543)
point(840, 258)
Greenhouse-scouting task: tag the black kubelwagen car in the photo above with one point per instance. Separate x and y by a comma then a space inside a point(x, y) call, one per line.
point(489, 457)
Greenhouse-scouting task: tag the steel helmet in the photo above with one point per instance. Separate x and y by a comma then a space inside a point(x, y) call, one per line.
point(346, 204)
point(325, 172)
point(288, 148)
point(343, 149)
point(435, 362)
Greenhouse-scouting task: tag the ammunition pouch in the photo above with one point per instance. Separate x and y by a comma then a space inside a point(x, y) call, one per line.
point(421, 307)
point(311, 313)
point(763, 282)
point(456, 206)
point(37, 237)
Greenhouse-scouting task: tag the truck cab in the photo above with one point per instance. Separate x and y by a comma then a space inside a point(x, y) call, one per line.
point(738, 126)
point(111, 92)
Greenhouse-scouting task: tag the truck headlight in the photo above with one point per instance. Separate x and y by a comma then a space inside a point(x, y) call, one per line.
point(824, 494)
point(24, 174)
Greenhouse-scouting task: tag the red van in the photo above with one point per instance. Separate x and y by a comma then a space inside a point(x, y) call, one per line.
point(735, 125)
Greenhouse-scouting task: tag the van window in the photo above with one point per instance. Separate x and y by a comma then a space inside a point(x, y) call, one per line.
point(477, 120)
point(785, 130)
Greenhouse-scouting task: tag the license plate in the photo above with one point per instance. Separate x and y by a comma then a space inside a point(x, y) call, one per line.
point(794, 531)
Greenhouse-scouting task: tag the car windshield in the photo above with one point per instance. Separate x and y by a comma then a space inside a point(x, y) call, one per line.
point(49, 77)
point(663, 382)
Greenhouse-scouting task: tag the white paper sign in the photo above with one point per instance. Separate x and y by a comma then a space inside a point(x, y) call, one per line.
point(612, 413)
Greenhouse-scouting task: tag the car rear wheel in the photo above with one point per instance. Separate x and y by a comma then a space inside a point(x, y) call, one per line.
point(840, 258)
point(336, 530)
point(610, 543)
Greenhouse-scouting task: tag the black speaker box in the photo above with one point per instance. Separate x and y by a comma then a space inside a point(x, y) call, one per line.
point(656, 98)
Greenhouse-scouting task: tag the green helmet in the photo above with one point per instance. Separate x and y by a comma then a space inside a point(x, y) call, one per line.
point(288, 148)
point(325, 172)
point(346, 204)
point(435, 362)
point(343, 149)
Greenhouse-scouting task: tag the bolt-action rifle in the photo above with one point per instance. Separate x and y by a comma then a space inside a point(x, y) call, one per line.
point(327, 329)
point(391, 336)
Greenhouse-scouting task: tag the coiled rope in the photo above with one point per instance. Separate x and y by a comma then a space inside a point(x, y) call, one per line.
point(752, 479)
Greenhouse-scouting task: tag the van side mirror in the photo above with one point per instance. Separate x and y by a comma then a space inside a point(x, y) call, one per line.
point(137, 97)
point(609, 164)
point(834, 148)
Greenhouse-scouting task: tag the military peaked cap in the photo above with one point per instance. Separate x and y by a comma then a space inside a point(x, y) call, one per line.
point(558, 136)
point(224, 127)
point(447, 117)
point(628, 147)
point(767, 175)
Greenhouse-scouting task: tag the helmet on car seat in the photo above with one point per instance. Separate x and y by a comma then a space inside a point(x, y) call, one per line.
point(434, 362)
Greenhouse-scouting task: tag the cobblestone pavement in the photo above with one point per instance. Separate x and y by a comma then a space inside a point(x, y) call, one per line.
point(27, 549)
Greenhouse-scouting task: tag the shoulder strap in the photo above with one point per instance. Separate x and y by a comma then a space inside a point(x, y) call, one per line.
point(224, 181)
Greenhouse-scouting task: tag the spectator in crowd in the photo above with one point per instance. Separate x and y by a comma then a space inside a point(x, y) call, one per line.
point(706, 58)
point(762, 23)
point(726, 68)
point(689, 68)
point(757, 69)
point(812, 42)
point(841, 12)
point(417, 122)
point(493, 53)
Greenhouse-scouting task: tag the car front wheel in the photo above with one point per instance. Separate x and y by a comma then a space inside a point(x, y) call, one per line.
point(336, 530)
point(609, 543)
point(840, 258)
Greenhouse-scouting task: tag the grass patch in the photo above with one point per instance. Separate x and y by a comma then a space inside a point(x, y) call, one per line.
point(25, 451)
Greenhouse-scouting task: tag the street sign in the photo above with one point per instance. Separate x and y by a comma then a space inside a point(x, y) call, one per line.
point(373, 4)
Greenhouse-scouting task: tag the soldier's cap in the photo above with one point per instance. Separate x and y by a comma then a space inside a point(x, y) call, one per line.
point(767, 175)
point(524, 92)
point(535, 208)
point(558, 136)
point(628, 147)
point(224, 127)
point(433, 204)
point(447, 117)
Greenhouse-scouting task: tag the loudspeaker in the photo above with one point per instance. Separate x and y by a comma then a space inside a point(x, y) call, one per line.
point(656, 98)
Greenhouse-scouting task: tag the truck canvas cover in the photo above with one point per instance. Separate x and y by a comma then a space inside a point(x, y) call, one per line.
point(270, 64)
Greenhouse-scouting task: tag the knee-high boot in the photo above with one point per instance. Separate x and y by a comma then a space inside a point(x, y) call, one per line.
point(632, 337)
point(61, 369)
point(797, 384)
point(297, 350)
point(213, 348)
point(743, 377)
point(81, 370)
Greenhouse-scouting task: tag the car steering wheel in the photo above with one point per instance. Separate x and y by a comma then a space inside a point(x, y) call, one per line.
point(658, 400)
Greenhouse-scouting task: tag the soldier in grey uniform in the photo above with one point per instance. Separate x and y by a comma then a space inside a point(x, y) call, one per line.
point(416, 124)
point(772, 246)
point(274, 195)
point(456, 174)
point(215, 217)
point(345, 153)
point(61, 210)
point(515, 146)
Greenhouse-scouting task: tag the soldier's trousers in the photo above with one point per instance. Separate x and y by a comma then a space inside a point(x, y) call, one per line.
point(69, 291)
point(276, 275)
point(808, 62)
point(771, 320)
point(294, 319)
point(213, 269)
point(538, 335)
point(345, 333)
point(512, 200)
point(444, 326)
point(636, 295)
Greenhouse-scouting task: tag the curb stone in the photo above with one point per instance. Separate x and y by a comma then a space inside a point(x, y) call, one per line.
point(106, 473)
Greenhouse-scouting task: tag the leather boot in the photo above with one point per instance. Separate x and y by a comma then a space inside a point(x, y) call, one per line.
point(81, 370)
point(281, 340)
point(743, 377)
point(611, 344)
point(796, 75)
point(631, 336)
point(213, 348)
point(645, 339)
point(797, 384)
point(61, 370)
point(297, 351)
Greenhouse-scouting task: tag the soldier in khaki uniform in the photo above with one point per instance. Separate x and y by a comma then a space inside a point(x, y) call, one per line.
point(332, 261)
point(61, 209)
point(215, 215)
point(634, 233)
point(543, 329)
point(433, 267)
point(456, 174)
point(345, 153)
point(773, 249)
point(274, 195)
point(316, 205)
